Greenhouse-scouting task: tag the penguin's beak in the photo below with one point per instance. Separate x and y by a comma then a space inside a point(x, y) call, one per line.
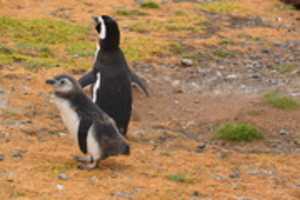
point(95, 19)
point(50, 81)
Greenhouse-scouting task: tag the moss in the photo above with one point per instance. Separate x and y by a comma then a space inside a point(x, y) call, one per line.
point(238, 132)
point(128, 12)
point(221, 6)
point(281, 101)
point(285, 68)
point(150, 5)
point(180, 178)
point(41, 31)
point(81, 49)
point(142, 47)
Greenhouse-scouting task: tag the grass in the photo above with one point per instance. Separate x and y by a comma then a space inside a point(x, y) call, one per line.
point(141, 48)
point(280, 101)
point(42, 43)
point(238, 132)
point(191, 23)
point(82, 49)
point(223, 53)
point(285, 68)
point(150, 5)
point(221, 6)
point(128, 12)
point(179, 178)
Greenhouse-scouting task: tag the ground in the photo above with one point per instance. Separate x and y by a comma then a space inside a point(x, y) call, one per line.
point(236, 51)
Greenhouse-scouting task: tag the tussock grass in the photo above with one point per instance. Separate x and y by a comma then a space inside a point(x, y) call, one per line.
point(238, 132)
point(280, 101)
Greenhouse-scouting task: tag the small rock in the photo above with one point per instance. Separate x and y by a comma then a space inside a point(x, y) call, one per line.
point(186, 62)
point(284, 132)
point(93, 179)
point(125, 195)
point(60, 187)
point(231, 77)
point(200, 148)
point(63, 176)
point(17, 154)
point(2, 157)
point(235, 174)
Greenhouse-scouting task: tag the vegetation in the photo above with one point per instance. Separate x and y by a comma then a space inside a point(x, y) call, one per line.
point(281, 101)
point(238, 132)
point(285, 68)
point(221, 6)
point(150, 5)
point(180, 178)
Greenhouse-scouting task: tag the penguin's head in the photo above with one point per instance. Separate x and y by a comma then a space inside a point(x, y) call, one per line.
point(108, 31)
point(64, 85)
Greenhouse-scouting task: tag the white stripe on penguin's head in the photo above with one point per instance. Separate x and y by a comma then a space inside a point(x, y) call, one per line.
point(102, 34)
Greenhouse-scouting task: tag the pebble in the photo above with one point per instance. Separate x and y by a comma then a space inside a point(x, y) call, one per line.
point(284, 132)
point(201, 147)
point(186, 62)
point(60, 187)
point(63, 176)
point(17, 154)
point(93, 179)
point(2, 157)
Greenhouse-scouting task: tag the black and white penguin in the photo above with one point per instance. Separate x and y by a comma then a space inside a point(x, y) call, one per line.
point(111, 83)
point(100, 26)
point(94, 131)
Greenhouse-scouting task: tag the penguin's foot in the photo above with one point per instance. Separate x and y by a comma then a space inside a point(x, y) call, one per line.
point(83, 159)
point(88, 166)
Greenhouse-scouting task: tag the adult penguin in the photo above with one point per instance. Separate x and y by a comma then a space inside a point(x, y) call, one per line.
point(111, 83)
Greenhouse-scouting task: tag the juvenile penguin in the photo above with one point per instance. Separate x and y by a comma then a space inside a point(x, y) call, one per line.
point(94, 131)
point(111, 83)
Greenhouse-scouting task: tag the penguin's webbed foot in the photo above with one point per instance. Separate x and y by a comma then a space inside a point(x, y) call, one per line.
point(88, 166)
point(83, 159)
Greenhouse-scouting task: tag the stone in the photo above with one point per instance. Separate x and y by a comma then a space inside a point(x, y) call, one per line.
point(186, 62)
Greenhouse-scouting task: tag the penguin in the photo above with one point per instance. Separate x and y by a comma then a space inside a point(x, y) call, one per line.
point(111, 83)
point(100, 26)
point(93, 130)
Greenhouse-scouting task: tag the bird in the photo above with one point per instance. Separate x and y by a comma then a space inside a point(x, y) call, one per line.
point(110, 79)
point(94, 131)
point(136, 80)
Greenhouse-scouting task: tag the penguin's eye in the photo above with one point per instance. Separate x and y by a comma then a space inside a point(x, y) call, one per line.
point(62, 82)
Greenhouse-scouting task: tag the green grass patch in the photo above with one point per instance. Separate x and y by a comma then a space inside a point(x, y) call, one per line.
point(280, 101)
point(176, 48)
point(285, 68)
point(128, 12)
point(43, 43)
point(180, 178)
point(223, 53)
point(41, 31)
point(141, 48)
point(150, 5)
point(238, 132)
point(221, 6)
point(82, 49)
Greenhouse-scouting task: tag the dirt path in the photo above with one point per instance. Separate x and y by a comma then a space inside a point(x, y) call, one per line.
point(174, 153)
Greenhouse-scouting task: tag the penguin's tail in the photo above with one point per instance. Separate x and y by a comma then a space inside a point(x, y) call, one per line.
point(139, 82)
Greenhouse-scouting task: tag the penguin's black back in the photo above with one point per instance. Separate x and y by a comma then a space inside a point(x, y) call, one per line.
point(115, 94)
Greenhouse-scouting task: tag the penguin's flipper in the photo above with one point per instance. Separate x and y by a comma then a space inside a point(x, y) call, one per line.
point(87, 79)
point(139, 82)
point(84, 126)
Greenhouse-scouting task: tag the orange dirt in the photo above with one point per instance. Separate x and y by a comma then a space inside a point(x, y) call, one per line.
point(164, 133)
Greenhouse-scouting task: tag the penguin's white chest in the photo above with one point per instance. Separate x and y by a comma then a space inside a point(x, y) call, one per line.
point(69, 116)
